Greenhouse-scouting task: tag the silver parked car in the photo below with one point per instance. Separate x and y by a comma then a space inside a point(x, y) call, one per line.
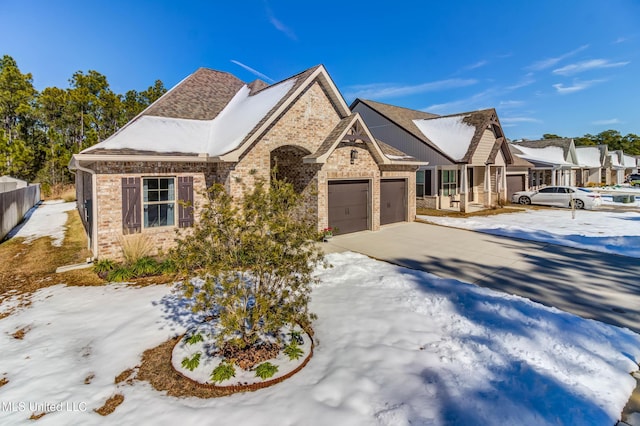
point(559, 196)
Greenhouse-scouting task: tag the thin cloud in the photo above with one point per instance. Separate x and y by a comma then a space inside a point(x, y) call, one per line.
point(583, 66)
point(467, 104)
point(620, 40)
point(606, 122)
point(278, 24)
point(478, 64)
point(516, 120)
point(527, 80)
point(390, 90)
point(511, 104)
point(577, 87)
point(550, 62)
point(254, 72)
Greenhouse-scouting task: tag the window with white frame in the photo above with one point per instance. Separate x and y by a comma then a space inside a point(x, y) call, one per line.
point(159, 202)
point(449, 182)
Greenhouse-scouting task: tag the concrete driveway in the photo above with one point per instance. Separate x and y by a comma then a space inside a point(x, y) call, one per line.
point(593, 285)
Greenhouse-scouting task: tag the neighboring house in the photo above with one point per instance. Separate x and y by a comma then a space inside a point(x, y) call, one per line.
point(616, 168)
point(630, 163)
point(212, 127)
point(554, 161)
point(8, 183)
point(467, 153)
point(517, 173)
point(592, 161)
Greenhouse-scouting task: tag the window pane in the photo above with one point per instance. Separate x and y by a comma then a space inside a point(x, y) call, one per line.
point(151, 216)
point(164, 195)
point(419, 190)
point(420, 176)
point(164, 183)
point(151, 183)
point(172, 196)
point(152, 196)
point(169, 220)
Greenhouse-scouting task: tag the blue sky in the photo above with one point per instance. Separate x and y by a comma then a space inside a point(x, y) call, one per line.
point(568, 67)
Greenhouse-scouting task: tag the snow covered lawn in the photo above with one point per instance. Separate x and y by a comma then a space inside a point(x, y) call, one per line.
point(46, 220)
point(395, 347)
point(607, 231)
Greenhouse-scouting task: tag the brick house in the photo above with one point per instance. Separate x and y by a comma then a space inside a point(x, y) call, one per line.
point(214, 128)
point(467, 153)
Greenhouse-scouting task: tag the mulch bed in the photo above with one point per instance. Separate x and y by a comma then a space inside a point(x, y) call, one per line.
point(156, 369)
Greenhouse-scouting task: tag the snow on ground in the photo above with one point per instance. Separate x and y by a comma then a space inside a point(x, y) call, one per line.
point(395, 347)
point(607, 231)
point(46, 220)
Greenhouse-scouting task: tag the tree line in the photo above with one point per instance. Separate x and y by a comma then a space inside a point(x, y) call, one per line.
point(630, 143)
point(40, 131)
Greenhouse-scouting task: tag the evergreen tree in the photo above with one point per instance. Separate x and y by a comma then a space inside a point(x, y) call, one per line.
point(256, 258)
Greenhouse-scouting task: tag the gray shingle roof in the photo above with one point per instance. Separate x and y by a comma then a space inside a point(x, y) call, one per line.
point(404, 117)
point(201, 96)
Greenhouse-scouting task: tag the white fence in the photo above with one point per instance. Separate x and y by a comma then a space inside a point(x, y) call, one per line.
point(14, 205)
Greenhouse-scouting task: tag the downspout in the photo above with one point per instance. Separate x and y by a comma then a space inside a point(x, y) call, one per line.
point(94, 207)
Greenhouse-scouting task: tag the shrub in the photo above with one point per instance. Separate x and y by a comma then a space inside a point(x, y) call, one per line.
point(266, 370)
point(293, 351)
point(191, 363)
point(256, 257)
point(145, 266)
point(222, 372)
point(103, 266)
point(135, 246)
point(119, 274)
point(194, 338)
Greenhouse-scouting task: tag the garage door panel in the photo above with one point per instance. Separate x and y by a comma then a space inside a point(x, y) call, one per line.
point(515, 183)
point(393, 201)
point(349, 206)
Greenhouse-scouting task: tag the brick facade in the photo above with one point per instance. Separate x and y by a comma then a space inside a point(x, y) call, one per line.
point(298, 132)
point(109, 201)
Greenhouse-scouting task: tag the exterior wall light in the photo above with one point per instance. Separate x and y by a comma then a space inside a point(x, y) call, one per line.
point(354, 155)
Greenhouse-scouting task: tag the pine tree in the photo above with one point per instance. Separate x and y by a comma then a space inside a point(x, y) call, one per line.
point(255, 257)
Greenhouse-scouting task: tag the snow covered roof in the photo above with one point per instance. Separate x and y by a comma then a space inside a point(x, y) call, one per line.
point(455, 136)
point(452, 135)
point(615, 160)
point(553, 155)
point(589, 156)
point(213, 136)
point(629, 161)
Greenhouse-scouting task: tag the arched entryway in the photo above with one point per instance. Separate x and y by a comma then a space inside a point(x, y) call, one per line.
point(287, 161)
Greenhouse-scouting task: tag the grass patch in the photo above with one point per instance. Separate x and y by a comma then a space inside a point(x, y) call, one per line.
point(58, 192)
point(157, 370)
point(110, 405)
point(125, 375)
point(25, 268)
point(35, 416)
point(486, 212)
point(20, 333)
